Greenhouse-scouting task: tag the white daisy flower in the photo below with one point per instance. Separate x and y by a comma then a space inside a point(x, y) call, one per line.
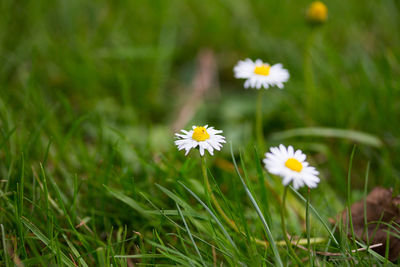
point(260, 74)
point(203, 136)
point(291, 166)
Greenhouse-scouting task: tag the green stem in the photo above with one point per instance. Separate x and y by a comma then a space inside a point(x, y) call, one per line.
point(3, 236)
point(308, 226)
point(259, 121)
point(288, 243)
point(311, 93)
point(349, 215)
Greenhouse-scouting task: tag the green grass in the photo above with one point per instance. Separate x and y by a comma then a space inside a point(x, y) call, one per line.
point(89, 94)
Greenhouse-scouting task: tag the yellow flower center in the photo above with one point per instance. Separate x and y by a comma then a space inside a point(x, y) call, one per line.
point(200, 134)
point(262, 70)
point(317, 12)
point(294, 165)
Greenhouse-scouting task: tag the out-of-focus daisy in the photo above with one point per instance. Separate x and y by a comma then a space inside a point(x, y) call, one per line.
point(317, 12)
point(260, 74)
point(291, 166)
point(207, 138)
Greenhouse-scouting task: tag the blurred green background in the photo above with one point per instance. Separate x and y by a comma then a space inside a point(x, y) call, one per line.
point(68, 65)
point(94, 89)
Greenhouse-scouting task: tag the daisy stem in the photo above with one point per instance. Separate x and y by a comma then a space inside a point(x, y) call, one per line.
point(214, 200)
point(308, 73)
point(288, 243)
point(308, 226)
point(259, 121)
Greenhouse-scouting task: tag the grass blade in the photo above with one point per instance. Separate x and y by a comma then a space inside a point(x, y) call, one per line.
point(352, 135)
point(212, 215)
point(176, 199)
point(141, 256)
point(253, 201)
point(75, 252)
point(190, 234)
point(3, 237)
point(376, 255)
point(316, 214)
point(350, 217)
point(45, 240)
point(129, 201)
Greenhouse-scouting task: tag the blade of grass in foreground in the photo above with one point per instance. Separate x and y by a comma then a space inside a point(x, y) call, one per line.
point(75, 252)
point(162, 213)
point(176, 198)
point(376, 255)
point(190, 234)
point(350, 217)
point(365, 210)
point(212, 215)
point(127, 200)
point(3, 238)
point(318, 216)
point(177, 255)
point(142, 256)
point(253, 201)
point(45, 240)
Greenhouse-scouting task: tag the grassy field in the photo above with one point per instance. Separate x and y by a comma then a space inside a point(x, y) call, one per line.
point(92, 92)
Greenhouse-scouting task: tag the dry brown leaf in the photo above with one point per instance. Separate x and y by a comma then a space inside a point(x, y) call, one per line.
point(381, 209)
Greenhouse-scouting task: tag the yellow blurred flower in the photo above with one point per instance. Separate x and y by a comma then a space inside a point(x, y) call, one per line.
point(317, 12)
